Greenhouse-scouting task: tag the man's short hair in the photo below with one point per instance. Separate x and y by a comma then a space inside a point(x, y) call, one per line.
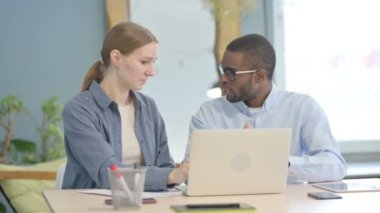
point(258, 52)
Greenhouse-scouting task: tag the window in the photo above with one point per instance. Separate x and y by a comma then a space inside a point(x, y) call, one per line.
point(332, 52)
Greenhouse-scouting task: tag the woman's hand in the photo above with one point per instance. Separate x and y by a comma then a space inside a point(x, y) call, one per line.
point(179, 175)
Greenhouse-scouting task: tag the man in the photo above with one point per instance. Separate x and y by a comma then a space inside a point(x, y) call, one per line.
point(251, 101)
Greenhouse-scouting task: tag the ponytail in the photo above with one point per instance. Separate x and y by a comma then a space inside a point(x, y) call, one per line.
point(94, 73)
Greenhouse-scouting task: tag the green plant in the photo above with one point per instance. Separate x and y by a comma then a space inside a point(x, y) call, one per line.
point(8, 107)
point(222, 12)
point(2, 208)
point(227, 21)
point(50, 131)
point(51, 137)
point(23, 151)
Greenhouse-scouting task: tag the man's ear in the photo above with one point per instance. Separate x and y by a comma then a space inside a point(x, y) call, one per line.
point(115, 56)
point(261, 75)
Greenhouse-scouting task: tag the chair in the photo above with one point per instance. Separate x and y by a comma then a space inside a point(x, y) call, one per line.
point(59, 177)
point(22, 186)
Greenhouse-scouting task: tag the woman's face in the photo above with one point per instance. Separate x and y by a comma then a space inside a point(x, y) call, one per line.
point(135, 68)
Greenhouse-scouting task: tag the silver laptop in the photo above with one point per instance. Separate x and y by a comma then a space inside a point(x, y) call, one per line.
point(238, 161)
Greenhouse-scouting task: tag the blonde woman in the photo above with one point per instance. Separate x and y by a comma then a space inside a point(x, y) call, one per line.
point(109, 122)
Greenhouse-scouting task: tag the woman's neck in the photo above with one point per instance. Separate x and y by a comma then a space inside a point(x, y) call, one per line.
point(116, 92)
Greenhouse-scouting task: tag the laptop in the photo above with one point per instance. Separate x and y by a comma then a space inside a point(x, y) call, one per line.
point(238, 161)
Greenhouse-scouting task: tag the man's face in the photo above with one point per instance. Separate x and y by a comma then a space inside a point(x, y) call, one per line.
point(241, 88)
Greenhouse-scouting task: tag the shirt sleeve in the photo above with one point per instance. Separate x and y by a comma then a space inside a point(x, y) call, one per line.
point(321, 159)
point(159, 162)
point(86, 145)
point(157, 175)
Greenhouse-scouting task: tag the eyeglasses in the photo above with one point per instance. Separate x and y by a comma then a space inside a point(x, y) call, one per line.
point(231, 73)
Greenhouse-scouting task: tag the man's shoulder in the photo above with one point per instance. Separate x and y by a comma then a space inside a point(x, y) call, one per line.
point(297, 101)
point(215, 103)
point(296, 96)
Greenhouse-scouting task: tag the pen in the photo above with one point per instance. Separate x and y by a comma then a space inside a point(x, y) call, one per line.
point(121, 181)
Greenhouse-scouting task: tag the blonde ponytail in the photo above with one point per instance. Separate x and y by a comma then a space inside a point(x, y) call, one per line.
point(94, 73)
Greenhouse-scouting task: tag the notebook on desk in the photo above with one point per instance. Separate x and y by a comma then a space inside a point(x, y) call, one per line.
point(238, 161)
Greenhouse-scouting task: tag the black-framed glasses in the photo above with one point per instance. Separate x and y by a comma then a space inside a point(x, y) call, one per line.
point(231, 73)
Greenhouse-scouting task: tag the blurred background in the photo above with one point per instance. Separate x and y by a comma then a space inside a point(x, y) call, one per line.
point(327, 49)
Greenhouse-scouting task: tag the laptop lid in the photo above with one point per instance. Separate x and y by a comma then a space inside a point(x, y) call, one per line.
point(238, 161)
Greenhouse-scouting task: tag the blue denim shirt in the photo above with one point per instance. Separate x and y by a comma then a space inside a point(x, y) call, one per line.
point(92, 129)
point(314, 154)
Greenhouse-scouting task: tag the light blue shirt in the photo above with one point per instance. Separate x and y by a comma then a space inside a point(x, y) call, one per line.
point(315, 155)
point(92, 128)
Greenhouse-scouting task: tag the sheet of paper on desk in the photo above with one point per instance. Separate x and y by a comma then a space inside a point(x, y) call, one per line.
point(173, 192)
point(107, 192)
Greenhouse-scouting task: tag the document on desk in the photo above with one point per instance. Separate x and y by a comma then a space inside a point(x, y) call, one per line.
point(107, 192)
point(363, 185)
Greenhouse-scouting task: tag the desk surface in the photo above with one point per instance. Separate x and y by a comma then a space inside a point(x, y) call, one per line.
point(293, 200)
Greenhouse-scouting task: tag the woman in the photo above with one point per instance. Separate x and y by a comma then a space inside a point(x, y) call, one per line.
point(110, 123)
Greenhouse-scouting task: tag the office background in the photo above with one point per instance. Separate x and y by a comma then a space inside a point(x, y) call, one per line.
point(47, 46)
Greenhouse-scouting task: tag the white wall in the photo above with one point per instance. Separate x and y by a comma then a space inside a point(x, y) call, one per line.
point(185, 68)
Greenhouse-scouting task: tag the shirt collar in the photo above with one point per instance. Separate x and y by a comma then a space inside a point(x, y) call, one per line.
point(267, 103)
point(271, 98)
point(101, 98)
point(104, 101)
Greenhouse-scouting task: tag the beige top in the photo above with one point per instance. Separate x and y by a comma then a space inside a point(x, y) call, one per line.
point(131, 148)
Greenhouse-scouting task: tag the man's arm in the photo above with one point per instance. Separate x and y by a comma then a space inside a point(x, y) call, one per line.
point(321, 159)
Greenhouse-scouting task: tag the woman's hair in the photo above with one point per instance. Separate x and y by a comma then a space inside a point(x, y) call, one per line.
point(125, 37)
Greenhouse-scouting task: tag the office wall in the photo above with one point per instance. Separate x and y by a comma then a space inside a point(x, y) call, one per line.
point(185, 68)
point(46, 46)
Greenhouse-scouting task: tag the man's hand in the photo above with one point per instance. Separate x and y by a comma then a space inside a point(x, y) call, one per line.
point(247, 126)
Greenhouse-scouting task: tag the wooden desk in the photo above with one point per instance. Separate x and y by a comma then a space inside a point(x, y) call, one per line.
point(294, 200)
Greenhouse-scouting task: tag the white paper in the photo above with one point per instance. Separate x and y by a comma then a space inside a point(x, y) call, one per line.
point(107, 192)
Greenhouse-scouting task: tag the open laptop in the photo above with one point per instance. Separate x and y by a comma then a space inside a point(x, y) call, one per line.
point(238, 161)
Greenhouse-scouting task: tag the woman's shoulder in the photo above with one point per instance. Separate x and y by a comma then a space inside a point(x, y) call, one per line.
point(81, 100)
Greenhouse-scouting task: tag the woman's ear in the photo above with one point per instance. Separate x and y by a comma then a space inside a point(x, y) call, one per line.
point(115, 56)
